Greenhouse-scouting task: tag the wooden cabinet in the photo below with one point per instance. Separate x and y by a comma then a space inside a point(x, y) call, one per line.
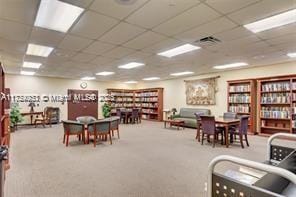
point(241, 99)
point(149, 100)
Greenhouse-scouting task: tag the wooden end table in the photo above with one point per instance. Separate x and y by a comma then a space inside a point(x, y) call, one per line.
point(177, 123)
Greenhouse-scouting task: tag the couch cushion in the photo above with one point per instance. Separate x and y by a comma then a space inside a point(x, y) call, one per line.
point(189, 112)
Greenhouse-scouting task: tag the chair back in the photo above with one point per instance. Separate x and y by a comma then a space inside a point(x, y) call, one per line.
point(73, 127)
point(135, 113)
point(230, 115)
point(208, 124)
point(114, 123)
point(86, 119)
point(243, 127)
point(99, 126)
point(118, 112)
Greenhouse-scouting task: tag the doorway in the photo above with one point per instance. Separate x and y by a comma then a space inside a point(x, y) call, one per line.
point(82, 103)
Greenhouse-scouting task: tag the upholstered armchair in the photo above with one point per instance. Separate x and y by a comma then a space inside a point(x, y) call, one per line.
point(86, 119)
point(73, 128)
point(101, 128)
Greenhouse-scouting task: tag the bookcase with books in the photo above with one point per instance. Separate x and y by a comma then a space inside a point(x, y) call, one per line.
point(149, 100)
point(242, 100)
point(276, 103)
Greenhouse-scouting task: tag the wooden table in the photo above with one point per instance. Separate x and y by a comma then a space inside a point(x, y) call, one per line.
point(224, 122)
point(126, 114)
point(177, 123)
point(31, 114)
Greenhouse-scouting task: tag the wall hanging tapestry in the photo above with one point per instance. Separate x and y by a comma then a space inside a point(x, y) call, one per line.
point(201, 91)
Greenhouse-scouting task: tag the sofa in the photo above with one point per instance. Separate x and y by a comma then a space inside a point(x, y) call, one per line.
point(188, 116)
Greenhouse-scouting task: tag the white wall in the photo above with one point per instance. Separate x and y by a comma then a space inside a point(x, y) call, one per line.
point(31, 85)
point(174, 90)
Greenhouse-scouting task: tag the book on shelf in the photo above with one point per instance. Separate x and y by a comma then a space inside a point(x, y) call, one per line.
point(275, 86)
point(269, 98)
point(146, 94)
point(240, 98)
point(242, 108)
point(294, 86)
point(240, 88)
point(275, 112)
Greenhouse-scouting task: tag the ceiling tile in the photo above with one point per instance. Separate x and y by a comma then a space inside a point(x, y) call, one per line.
point(233, 34)
point(14, 31)
point(227, 6)
point(114, 9)
point(98, 48)
point(79, 3)
point(137, 56)
point(146, 39)
point(261, 10)
point(60, 56)
point(100, 60)
point(13, 46)
point(162, 11)
point(74, 43)
point(118, 52)
point(187, 20)
point(219, 25)
point(83, 57)
point(93, 25)
point(46, 37)
point(22, 11)
point(122, 33)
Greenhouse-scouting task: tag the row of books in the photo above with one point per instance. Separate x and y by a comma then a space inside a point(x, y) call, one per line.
point(147, 99)
point(294, 124)
point(143, 94)
point(130, 94)
point(122, 105)
point(240, 98)
point(275, 98)
point(294, 86)
point(240, 108)
point(149, 111)
point(275, 112)
point(240, 88)
point(125, 99)
point(294, 96)
point(149, 104)
point(278, 86)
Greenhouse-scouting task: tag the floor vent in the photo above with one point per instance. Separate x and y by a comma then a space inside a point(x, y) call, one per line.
point(208, 41)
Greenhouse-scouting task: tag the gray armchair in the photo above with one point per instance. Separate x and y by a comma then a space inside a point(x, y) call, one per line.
point(101, 128)
point(86, 119)
point(114, 124)
point(73, 128)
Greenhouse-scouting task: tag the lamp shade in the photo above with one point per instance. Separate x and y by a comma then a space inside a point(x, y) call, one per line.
point(174, 110)
point(31, 104)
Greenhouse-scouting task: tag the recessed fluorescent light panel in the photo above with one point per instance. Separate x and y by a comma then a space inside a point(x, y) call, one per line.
point(179, 50)
point(233, 65)
point(272, 22)
point(57, 15)
point(87, 78)
point(291, 54)
point(151, 78)
point(31, 65)
point(182, 73)
point(38, 50)
point(27, 72)
point(131, 82)
point(131, 65)
point(105, 73)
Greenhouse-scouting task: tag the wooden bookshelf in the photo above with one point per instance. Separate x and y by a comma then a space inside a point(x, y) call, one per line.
point(149, 100)
point(276, 104)
point(241, 99)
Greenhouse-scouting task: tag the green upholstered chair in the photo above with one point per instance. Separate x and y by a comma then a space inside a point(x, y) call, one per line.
point(114, 124)
point(101, 128)
point(72, 128)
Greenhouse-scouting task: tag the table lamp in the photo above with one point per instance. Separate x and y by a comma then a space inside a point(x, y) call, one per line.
point(174, 110)
point(31, 105)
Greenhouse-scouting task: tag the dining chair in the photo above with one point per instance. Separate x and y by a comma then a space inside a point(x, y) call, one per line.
point(209, 128)
point(73, 128)
point(242, 130)
point(231, 115)
point(198, 123)
point(45, 118)
point(120, 115)
point(114, 125)
point(101, 128)
point(135, 117)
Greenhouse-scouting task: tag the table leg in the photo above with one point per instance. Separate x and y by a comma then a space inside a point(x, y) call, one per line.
point(226, 136)
point(198, 132)
point(178, 126)
point(164, 124)
point(31, 117)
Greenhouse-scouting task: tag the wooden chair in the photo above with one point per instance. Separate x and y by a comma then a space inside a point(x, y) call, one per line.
point(114, 125)
point(135, 116)
point(101, 128)
point(73, 128)
point(198, 123)
point(209, 128)
point(242, 130)
point(45, 119)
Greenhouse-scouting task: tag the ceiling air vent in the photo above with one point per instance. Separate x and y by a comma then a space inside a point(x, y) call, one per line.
point(126, 2)
point(208, 41)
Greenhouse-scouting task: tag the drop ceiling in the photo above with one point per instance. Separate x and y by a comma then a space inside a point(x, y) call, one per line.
point(109, 34)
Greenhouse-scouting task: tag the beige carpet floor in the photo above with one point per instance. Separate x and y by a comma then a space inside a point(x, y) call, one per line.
point(148, 161)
